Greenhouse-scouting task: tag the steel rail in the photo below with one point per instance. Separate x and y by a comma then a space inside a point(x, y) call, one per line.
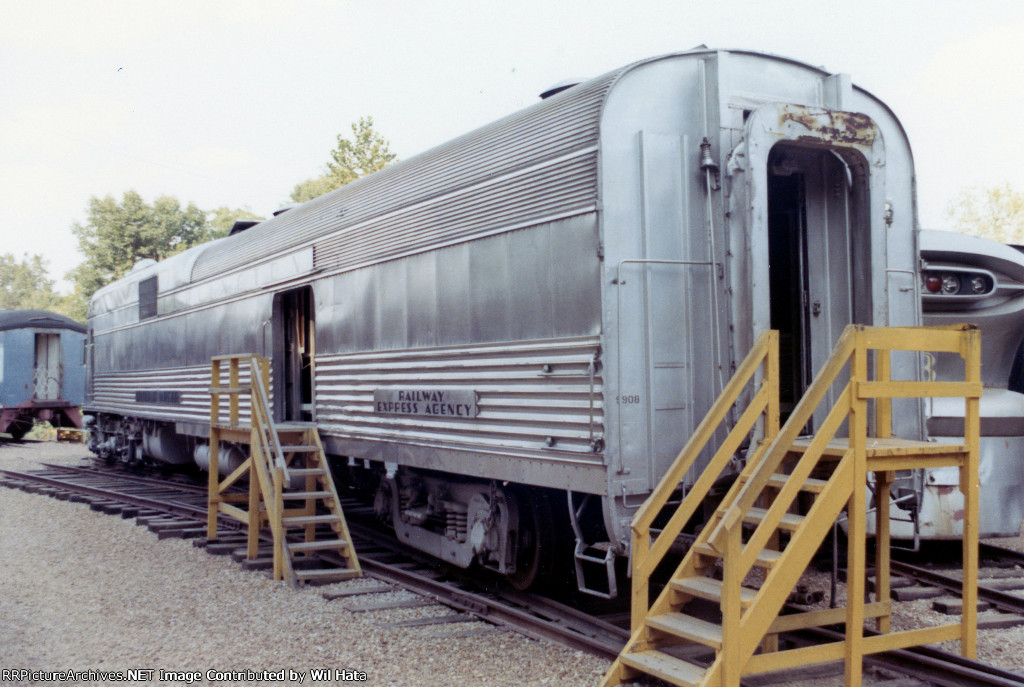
point(1000, 599)
point(530, 615)
point(934, 666)
point(158, 504)
point(541, 618)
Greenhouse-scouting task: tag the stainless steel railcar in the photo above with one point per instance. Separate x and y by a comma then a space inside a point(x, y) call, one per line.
point(970, 279)
point(526, 323)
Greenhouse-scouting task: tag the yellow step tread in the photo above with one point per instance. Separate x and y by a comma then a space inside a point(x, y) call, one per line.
point(295, 495)
point(810, 484)
point(298, 520)
point(877, 448)
point(766, 559)
point(790, 521)
point(710, 589)
point(322, 545)
point(228, 390)
point(668, 668)
point(303, 472)
point(326, 574)
point(688, 627)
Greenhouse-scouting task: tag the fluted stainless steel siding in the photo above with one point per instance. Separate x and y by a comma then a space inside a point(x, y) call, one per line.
point(523, 405)
point(552, 191)
point(115, 393)
point(448, 187)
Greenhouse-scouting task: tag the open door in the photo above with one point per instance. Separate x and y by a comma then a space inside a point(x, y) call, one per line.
point(821, 175)
point(48, 371)
point(818, 255)
point(294, 349)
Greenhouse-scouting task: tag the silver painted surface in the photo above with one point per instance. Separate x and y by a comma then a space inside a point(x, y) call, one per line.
point(572, 264)
point(1000, 316)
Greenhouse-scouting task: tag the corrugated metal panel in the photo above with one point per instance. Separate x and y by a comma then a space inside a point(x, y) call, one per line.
point(521, 403)
point(552, 129)
point(115, 393)
point(552, 192)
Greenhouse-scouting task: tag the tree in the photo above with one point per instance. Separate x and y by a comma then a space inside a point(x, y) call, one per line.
point(996, 213)
point(223, 218)
point(117, 235)
point(313, 188)
point(364, 153)
point(25, 285)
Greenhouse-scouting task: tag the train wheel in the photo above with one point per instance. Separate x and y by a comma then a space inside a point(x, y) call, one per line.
point(18, 429)
point(540, 544)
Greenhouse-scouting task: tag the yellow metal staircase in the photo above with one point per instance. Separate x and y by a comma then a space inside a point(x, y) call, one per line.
point(290, 485)
point(756, 535)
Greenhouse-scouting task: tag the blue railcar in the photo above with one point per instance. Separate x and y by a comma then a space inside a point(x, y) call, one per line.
point(42, 370)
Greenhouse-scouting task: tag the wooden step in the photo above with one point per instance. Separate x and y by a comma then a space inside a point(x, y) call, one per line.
point(766, 559)
point(325, 574)
point(322, 545)
point(302, 520)
point(294, 426)
point(810, 484)
point(306, 472)
point(710, 589)
point(688, 627)
point(668, 668)
point(303, 495)
point(790, 522)
point(883, 447)
point(299, 449)
point(227, 390)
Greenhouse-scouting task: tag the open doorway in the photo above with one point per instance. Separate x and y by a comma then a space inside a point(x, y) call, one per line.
point(294, 350)
point(787, 283)
point(48, 372)
point(819, 260)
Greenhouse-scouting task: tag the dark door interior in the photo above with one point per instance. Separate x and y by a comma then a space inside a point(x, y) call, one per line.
point(787, 284)
point(293, 354)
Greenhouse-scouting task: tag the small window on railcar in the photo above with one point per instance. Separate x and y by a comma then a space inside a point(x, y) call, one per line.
point(147, 298)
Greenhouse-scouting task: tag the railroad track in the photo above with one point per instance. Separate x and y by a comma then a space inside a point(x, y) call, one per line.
point(174, 508)
point(178, 509)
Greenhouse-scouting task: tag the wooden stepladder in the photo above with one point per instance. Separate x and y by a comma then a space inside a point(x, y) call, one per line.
point(757, 529)
point(290, 485)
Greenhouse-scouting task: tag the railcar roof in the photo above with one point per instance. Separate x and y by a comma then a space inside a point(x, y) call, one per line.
point(365, 217)
point(37, 319)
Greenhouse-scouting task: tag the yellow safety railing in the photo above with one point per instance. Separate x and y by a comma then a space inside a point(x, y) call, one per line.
point(646, 556)
point(763, 496)
point(266, 465)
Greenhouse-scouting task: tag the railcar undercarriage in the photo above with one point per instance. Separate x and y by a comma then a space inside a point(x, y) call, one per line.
point(519, 532)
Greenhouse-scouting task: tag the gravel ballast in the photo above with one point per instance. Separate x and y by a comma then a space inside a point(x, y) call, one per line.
point(80, 590)
point(85, 591)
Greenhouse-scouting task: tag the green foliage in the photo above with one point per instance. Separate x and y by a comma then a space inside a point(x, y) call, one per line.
point(364, 153)
point(222, 219)
point(117, 235)
point(25, 285)
point(995, 213)
point(313, 188)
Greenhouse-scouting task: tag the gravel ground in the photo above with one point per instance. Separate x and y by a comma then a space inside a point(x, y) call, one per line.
point(81, 590)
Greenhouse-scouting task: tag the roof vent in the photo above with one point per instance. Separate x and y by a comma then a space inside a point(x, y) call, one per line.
point(285, 208)
point(559, 87)
point(241, 225)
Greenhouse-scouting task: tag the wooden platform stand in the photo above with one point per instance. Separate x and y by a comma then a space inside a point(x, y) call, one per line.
point(756, 526)
point(281, 455)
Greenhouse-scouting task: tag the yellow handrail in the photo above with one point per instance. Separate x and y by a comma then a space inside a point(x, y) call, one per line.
point(745, 629)
point(646, 556)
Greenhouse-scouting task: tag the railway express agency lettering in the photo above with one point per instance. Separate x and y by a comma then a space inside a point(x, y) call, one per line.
point(458, 403)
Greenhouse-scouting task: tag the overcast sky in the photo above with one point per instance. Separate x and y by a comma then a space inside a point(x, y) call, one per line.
point(233, 103)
